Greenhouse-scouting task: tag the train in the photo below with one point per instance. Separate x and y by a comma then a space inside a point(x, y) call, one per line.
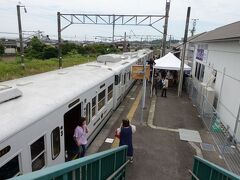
point(38, 113)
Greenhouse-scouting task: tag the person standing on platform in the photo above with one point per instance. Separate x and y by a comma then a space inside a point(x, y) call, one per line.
point(165, 87)
point(80, 136)
point(155, 84)
point(125, 133)
point(151, 63)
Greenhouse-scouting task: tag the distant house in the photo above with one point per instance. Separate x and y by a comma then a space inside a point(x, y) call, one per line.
point(10, 46)
point(216, 64)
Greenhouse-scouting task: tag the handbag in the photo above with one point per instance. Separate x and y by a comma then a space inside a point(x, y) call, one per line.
point(117, 135)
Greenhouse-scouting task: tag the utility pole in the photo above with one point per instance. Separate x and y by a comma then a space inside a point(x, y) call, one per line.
point(170, 39)
point(143, 89)
point(183, 54)
point(20, 34)
point(193, 30)
point(165, 27)
point(59, 41)
point(125, 42)
point(113, 28)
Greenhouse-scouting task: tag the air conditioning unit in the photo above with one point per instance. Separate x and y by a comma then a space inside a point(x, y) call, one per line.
point(7, 93)
point(210, 94)
point(201, 90)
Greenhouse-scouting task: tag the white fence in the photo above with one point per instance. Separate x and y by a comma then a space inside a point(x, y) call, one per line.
point(226, 143)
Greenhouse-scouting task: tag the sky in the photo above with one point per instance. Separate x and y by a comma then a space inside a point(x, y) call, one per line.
point(42, 15)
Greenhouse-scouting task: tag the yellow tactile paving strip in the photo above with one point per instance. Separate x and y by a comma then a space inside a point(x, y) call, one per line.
point(129, 116)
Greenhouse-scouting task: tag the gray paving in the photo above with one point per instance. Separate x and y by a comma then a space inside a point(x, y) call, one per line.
point(160, 154)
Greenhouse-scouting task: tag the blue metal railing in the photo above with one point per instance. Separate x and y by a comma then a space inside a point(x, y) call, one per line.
point(205, 170)
point(103, 165)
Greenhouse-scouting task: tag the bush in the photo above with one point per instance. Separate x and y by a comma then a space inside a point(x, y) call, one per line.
point(49, 52)
point(68, 47)
point(1, 49)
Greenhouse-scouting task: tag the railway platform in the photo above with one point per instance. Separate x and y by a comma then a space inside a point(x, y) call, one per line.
point(159, 153)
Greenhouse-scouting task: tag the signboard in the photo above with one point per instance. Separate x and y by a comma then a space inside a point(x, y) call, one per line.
point(202, 52)
point(138, 72)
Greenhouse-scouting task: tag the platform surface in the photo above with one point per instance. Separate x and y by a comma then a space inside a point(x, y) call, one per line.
point(158, 151)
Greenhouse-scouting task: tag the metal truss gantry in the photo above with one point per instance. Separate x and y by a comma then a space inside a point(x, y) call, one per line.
point(113, 20)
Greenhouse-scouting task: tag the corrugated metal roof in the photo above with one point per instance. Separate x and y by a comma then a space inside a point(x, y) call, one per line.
point(228, 32)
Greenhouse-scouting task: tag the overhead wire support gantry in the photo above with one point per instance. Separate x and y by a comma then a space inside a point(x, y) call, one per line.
point(113, 20)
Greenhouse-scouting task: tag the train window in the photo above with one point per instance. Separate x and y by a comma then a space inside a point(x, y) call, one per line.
point(55, 136)
point(119, 78)
point(88, 113)
point(116, 80)
point(94, 106)
point(10, 169)
point(101, 99)
point(110, 92)
point(124, 78)
point(4, 151)
point(129, 75)
point(38, 154)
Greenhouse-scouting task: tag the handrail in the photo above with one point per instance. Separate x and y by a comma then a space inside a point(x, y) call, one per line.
point(201, 165)
point(194, 175)
point(64, 168)
point(118, 170)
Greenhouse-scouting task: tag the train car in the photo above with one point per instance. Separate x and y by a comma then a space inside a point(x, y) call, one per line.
point(38, 113)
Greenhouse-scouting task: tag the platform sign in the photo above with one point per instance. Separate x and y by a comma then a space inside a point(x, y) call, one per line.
point(138, 72)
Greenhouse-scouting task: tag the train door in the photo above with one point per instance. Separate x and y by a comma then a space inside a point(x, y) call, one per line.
point(70, 122)
point(89, 115)
point(117, 88)
point(122, 85)
point(125, 82)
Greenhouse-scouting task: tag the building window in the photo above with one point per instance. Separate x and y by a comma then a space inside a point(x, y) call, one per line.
point(215, 75)
point(110, 92)
point(101, 99)
point(94, 106)
point(196, 69)
point(202, 73)
point(38, 154)
point(199, 71)
point(10, 169)
point(55, 136)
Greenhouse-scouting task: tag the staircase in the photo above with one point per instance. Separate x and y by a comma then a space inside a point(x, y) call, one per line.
point(110, 164)
point(205, 170)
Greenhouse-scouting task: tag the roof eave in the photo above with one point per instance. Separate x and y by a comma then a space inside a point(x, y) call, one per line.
point(217, 40)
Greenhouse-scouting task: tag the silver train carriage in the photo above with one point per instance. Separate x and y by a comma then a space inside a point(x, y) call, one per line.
point(38, 113)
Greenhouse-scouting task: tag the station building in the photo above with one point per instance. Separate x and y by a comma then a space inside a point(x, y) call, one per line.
point(216, 73)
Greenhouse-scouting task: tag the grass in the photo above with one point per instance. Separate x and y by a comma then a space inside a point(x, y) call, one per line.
point(12, 69)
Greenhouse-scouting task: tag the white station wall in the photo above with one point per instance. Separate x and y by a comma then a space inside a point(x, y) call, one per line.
point(225, 55)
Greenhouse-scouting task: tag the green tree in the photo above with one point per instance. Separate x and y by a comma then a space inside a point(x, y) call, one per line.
point(1, 49)
point(35, 49)
point(49, 52)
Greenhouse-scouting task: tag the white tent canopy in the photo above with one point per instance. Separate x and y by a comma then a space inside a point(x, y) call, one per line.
point(170, 62)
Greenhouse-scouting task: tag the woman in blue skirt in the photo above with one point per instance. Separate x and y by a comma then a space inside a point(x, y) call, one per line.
point(125, 133)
